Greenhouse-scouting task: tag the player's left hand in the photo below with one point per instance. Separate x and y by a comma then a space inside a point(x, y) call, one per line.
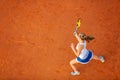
point(72, 45)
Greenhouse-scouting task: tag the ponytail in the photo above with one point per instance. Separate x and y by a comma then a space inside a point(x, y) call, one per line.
point(89, 38)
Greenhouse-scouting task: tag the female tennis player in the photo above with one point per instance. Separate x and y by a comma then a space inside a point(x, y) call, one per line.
point(83, 55)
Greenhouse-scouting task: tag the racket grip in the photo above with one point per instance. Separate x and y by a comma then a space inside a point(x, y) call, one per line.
point(75, 32)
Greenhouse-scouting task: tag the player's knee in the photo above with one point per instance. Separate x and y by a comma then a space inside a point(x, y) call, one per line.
point(71, 62)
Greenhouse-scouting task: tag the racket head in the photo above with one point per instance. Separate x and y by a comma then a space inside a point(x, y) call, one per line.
point(78, 23)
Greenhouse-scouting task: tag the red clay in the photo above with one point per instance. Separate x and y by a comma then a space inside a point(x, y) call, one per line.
point(35, 38)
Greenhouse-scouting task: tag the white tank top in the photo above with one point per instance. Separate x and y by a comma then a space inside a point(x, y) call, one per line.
point(84, 52)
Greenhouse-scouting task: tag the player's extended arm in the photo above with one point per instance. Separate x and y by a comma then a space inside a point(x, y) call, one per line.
point(78, 38)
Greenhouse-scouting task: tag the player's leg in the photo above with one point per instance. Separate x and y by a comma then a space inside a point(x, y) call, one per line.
point(76, 72)
point(100, 58)
point(72, 62)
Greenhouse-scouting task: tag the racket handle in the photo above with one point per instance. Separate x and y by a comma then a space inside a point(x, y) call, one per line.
point(75, 32)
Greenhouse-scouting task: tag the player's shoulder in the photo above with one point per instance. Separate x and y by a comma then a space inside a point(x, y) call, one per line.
point(81, 43)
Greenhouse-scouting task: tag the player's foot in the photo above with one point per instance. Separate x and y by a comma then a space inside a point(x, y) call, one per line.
point(75, 73)
point(102, 59)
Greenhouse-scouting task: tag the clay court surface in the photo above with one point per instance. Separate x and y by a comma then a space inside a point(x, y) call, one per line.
point(35, 38)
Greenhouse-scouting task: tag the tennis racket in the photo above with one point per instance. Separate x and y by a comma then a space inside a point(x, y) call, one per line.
point(78, 23)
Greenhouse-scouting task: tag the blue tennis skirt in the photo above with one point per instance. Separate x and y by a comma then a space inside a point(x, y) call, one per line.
point(85, 61)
